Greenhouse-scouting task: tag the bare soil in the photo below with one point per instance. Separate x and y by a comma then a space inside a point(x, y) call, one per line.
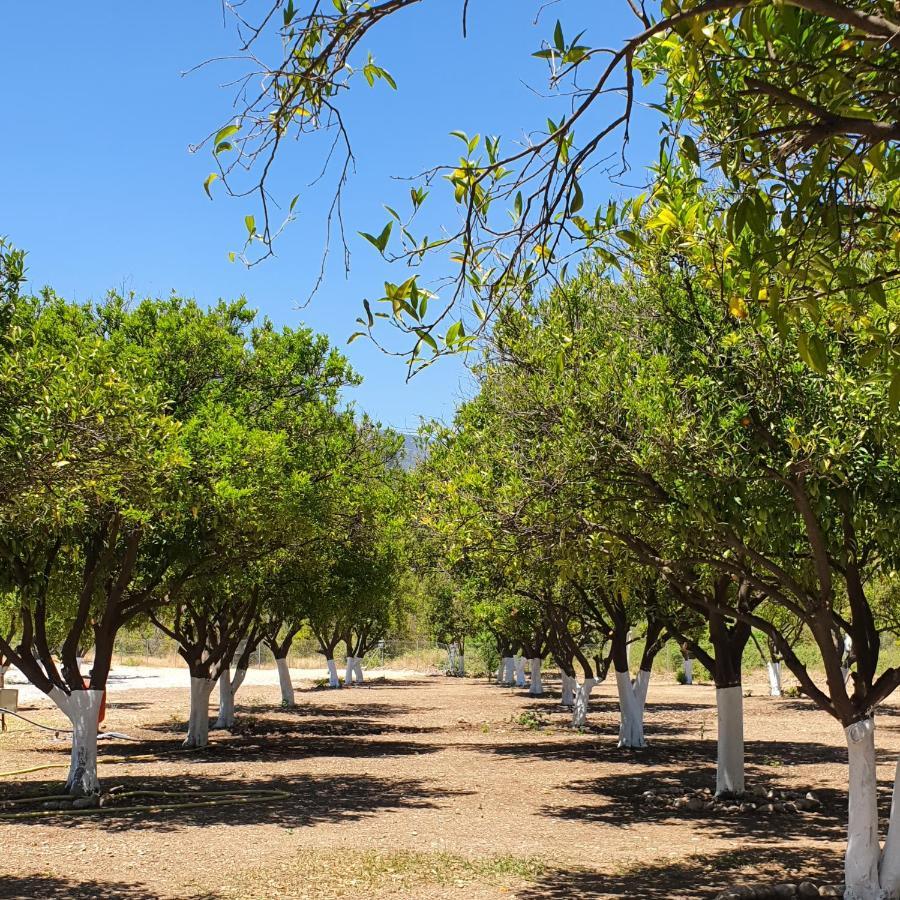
point(424, 788)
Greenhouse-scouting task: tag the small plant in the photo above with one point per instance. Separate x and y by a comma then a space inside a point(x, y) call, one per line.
point(680, 677)
point(531, 720)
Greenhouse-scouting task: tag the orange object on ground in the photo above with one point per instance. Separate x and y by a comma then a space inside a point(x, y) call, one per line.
point(102, 714)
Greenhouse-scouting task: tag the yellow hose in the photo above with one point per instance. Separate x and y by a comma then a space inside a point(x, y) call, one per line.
point(33, 769)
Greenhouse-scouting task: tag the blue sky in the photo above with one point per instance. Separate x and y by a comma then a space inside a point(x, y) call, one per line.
point(97, 184)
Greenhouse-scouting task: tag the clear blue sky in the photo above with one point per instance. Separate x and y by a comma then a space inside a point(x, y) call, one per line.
point(97, 184)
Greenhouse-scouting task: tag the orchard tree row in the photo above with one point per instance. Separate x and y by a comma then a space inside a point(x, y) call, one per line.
point(197, 468)
point(644, 460)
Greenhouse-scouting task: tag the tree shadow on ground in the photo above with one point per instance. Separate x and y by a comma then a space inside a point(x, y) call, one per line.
point(661, 750)
point(337, 711)
point(374, 684)
point(55, 887)
point(699, 876)
point(619, 801)
point(307, 800)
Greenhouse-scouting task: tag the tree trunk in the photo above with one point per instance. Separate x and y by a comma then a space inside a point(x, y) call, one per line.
point(284, 680)
point(730, 756)
point(689, 671)
point(519, 669)
point(461, 665)
point(226, 700)
point(198, 722)
point(348, 672)
point(774, 669)
point(535, 688)
point(863, 849)
point(82, 708)
point(632, 699)
point(568, 690)
point(582, 699)
point(358, 669)
point(3, 671)
point(333, 680)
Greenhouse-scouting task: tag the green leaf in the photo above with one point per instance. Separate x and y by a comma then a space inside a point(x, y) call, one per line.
point(250, 223)
point(209, 180)
point(381, 241)
point(226, 132)
point(812, 352)
point(558, 39)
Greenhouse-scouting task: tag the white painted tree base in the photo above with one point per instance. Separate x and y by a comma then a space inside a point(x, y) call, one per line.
point(333, 680)
point(461, 665)
point(730, 755)
point(774, 670)
point(506, 674)
point(688, 671)
point(82, 708)
point(519, 670)
point(870, 871)
point(535, 686)
point(349, 672)
point(568, 691)
point(225, 719)
point(358, 669)
point(198, 721)
point(582, 701)
point(284, 682)
point(632, 700)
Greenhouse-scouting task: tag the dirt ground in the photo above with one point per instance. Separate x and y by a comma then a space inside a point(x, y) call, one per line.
point(424, 787)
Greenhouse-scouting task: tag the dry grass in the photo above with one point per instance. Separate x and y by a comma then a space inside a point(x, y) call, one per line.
point(318, 875)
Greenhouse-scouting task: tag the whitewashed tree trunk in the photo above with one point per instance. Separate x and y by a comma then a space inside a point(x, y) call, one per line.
point(689, 671)
point(225, 719)
point(582, 700)
point(198, 722)
point(358, 669)
point(889, 866)
point(349, 671)
point(461, 665)
point(632, 699)
point(774, 669)
point(452, 653)
point(730, 754)
point(629, 639)
point(506, 674)
point(284, 680)
point(333, 680)
point(519, 671)
point(863, 849)
point(536, 687)
point(82, 708)
point(568, 690)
